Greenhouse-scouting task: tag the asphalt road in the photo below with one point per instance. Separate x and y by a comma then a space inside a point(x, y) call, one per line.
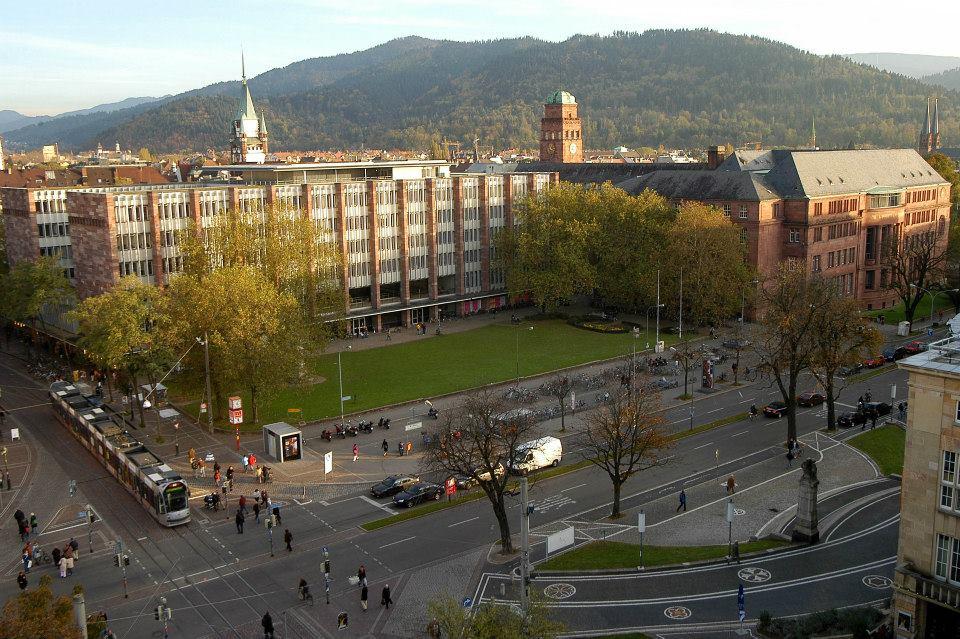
point(219, 582)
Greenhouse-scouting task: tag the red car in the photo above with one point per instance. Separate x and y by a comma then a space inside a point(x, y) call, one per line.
point(914, 347)
point(875, 362)
point(811, 398)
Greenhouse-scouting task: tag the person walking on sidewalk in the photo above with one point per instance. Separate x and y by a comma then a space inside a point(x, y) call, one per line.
point(243, 504)
point(256, 511)
point(356, 452)
point(22, 582)
point(288, 539)
point(683, 501)
point(363, 597)
point(386, 447)
point(362, 575)
point(267, 623)
point(239, 519)
point(385, 599)
point(400, 448)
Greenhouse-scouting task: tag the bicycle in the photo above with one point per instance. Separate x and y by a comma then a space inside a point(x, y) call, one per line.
point(305, 594)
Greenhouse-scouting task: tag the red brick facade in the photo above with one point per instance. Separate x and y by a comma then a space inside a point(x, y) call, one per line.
point(561, 134)
point(93, 234)
point(20, 225)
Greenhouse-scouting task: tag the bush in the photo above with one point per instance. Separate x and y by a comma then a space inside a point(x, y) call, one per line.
point(857, 621)
point(614, 327)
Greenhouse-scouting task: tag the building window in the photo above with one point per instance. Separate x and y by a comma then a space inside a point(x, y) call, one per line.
point(794, 236)
point(949, 497)
point(743, 236)
point(816, 263)
point(727, 210)
point(818, 208)
point(818, 234)
point(743, 211)
point(871, 280)
point(947, 564)
point(776, 209)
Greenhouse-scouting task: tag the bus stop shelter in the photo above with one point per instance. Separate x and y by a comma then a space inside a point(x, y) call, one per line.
point(282, 442)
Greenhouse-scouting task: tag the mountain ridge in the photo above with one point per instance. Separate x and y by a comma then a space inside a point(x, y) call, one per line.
point(913, 65)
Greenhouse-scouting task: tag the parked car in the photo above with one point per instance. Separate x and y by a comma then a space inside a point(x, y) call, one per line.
point(467, 481)
point(877, 408)
point(875, 362)
point(393, 485)
point(811, 398)
point(900, 352)
point(853, 369)
point(854, 418)
point(417, 494)
point(889, 354)
point(914, 347)
point(775, 409)
point(734, 343)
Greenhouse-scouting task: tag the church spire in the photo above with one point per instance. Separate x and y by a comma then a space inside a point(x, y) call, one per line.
point(245, 111)
point(935, 126)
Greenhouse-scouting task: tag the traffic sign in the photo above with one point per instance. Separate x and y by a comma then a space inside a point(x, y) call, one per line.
point(233, 403)
point(451, 484)
point(641, 522)
point(328, 462)
point(236, 415)
point(467, 602)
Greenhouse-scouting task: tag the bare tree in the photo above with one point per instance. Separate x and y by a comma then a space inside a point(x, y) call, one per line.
point(559, 388)
point(738, 344)
point(685, 353)
point(623, 438)
point(916, 263)
point(786, 337)
point(478, 440)
point(841, 338)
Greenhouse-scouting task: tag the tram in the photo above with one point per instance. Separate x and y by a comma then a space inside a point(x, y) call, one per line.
point(107, 435)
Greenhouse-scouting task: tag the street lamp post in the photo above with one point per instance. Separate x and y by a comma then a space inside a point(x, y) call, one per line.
point(933, 297)
point(206, 370)
point(646, 329)
point(656, 341)
point(680, 323)
point(530, 328)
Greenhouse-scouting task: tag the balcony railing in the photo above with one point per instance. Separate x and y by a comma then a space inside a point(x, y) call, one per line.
point(359, 303)
point(939, 591)
point(385, 301)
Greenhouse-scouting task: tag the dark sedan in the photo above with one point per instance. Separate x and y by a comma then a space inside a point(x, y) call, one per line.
point(855, 418)
point(811, 398)
point(393, 485)
point(775, 409)
point(876, 408)
point(418, 493)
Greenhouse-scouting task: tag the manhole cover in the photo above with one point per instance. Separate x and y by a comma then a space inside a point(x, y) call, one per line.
point(559, 591)
point(739, 511)
point(677, 613)
point(877, 582)
point(754, 575)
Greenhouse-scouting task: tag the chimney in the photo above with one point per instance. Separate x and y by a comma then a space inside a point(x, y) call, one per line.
point(715, 156)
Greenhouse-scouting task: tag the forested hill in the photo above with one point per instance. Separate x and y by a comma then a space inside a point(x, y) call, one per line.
point(677, 88)
point(949, 79)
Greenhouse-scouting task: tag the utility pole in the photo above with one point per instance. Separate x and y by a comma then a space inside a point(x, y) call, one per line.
point(80, 613)
point(524, 548)
point(340, 374)
point(121, 561)
point(206, 366)
point(680, 327)
point(729, 529)
point(656, 339)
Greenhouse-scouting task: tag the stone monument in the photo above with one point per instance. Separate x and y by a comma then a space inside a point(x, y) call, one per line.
point(807, 527)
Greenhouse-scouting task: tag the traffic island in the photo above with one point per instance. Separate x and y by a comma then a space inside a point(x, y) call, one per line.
point(884, 446)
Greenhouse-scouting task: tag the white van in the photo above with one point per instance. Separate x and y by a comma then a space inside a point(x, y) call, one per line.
point(540, 453)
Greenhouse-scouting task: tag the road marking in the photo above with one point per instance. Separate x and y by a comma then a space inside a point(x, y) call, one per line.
point(463, 522)
point(703, 446)
point(715, 410)
point(738, 434)
point(377, 504)
point(394, 543)
point(573, 487)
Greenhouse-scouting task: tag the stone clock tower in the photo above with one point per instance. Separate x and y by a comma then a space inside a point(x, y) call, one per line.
point(560, 130)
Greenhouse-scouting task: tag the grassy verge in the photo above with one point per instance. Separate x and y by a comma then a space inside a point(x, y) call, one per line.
point(860, 377)
point(885, 446)
point(473, 495)
point(611, 555)
point(433, 365)
point(895, 314)
point(631, 635)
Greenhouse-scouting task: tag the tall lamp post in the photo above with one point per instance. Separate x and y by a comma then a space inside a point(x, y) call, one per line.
point(646, 330)
point(656, 341)
point(529, 328)
point(680, 322)
point(933, 297)
point(340, 374)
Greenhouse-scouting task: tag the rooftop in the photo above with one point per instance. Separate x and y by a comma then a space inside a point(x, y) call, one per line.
point(941, 357)
point(561, 97)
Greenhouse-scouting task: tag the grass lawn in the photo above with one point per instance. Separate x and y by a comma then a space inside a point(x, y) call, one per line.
point(885, 446)
point(435, 365)
point(894, 314)
point(608, 555)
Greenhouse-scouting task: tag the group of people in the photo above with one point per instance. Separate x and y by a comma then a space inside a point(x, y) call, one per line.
point(794, 450)
point(64, 558)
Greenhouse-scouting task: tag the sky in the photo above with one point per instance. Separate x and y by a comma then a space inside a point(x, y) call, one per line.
point(65, 55)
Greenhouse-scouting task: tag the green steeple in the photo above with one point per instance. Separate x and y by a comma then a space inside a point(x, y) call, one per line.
point(245, 110)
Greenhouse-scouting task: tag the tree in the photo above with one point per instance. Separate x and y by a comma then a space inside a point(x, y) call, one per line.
point(546, 253)
point(479, 440)
point(144, 154)
point(623, 438)
point(713, 258)
point(560, 388)
point(685, 353)
point(256, 332)
point(842, 336)
point(38, 614)
point(118, 330)
point(952, 263)
point(738, 344)
point(791, 304)
point(488, 621)
point(290, 250)
point(32, 288)
point(947, 169)
point(913, 264)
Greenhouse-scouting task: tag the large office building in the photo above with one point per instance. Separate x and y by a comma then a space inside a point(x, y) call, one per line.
point(416, 240)
point(927, 577)
point(831, 209)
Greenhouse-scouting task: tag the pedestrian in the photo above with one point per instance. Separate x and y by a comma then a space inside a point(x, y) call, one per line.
point(216, 467)
point(409, 447)
point(256, 511)
point(683, 501)
point(33, 523)
point(252, 460)
point(362, 575)
point(19, 516)
point(288, 539)
point(736, 551)
point(385, 446)
point(22, 582)
point(267, 623)
point(873, 419)
point(731, 485)
point(56, 554)
point(867, 396)
point(229, 473)
point(62, 564)
point(243, 503)
point(245, 461)
point(239, 519)
point(203, 467)
point(385, 599)
point(216, 478)
point(356, 452)
point(789, 459)
point(259, 475)
point(74, 545)
point(400, 448)
point(902, 410)
point(27, 560)
point(276, 514)
point(363, 592)
point(68, 554)
point(192, 454)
